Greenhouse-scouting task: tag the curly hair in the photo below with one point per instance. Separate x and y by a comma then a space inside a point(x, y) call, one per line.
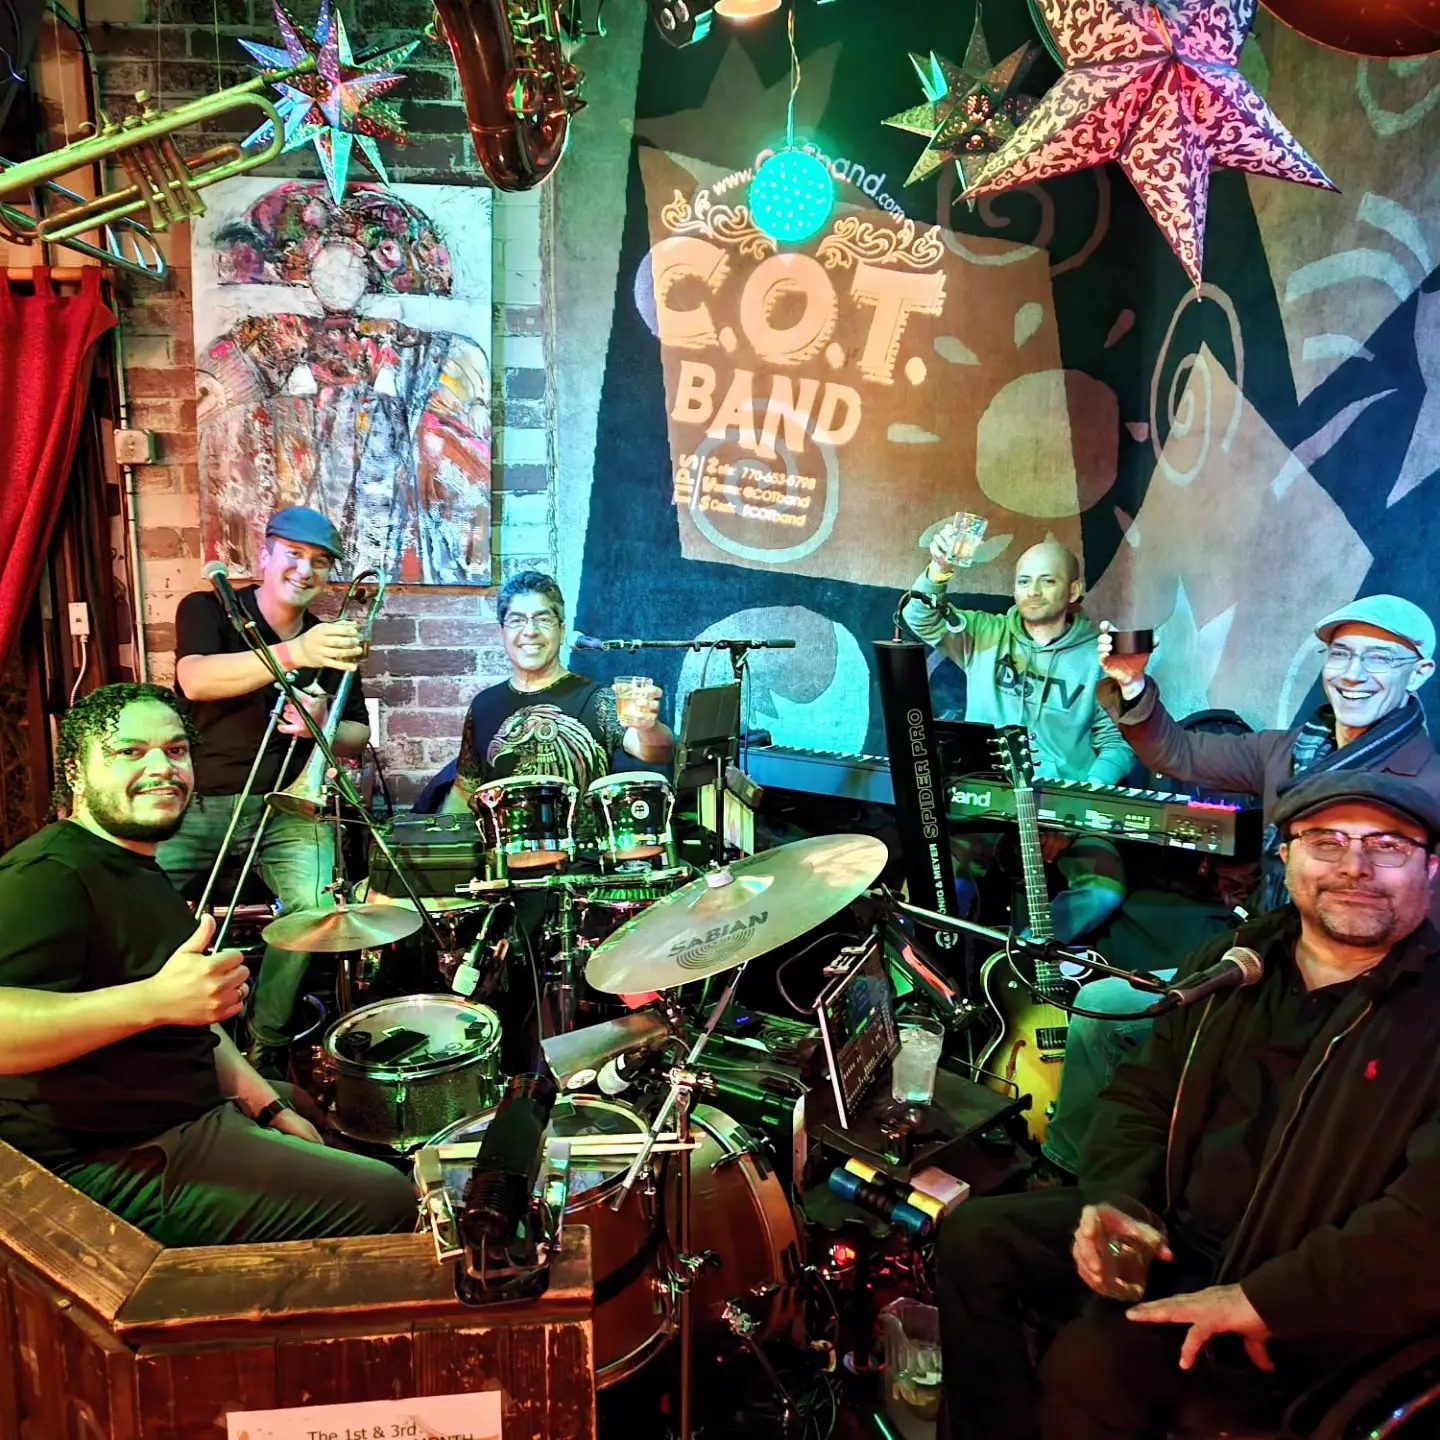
point(95, 716)
point(529, 582)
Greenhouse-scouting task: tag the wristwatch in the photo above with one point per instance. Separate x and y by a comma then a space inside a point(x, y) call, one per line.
point(266, 1118)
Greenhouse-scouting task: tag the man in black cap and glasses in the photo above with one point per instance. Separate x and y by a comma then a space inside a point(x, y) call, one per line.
point(1274, 1154)
point(231, 693)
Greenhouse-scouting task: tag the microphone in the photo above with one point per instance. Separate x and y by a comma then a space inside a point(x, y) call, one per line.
point(466, 978)
point(1239, 965)
point(586, 642)
point(497, 1194)
point(219, 578)
point(620, 1073)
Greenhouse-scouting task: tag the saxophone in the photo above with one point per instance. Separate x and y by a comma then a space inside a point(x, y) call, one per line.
point(519, 89)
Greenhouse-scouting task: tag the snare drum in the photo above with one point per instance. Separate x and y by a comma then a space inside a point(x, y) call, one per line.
point(406, 1067)
point(631, 814)
point(527, 821)
point(739, 1211)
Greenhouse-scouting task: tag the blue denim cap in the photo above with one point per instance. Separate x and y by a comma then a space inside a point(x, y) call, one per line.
point(309, 527)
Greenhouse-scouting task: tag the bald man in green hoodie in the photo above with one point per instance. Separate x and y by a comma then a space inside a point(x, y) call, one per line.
point(1036, 666)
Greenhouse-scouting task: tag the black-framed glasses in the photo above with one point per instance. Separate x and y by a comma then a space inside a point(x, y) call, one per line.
point(1337, 660)
point(546, 623)
point(1385, 849)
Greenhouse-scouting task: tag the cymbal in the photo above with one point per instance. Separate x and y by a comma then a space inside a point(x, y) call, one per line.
point(356, 927)
point(730, 916)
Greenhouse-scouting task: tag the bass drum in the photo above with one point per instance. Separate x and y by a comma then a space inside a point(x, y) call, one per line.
point(740, 1213)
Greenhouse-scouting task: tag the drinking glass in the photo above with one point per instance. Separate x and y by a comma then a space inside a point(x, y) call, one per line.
point(912, 1077)
point(630, 690)
point(969, 531)
point(1125, 1266)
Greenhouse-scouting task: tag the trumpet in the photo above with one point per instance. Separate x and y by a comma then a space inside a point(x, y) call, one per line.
point(309, 794)
point(163, 183)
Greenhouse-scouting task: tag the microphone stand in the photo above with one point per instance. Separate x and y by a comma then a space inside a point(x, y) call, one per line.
point(737, 648)
point(249, 786)
point(1009, 940)
point(249, 631)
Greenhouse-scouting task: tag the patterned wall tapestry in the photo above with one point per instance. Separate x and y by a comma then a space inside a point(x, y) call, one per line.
point(343, 362)
point(779, 426)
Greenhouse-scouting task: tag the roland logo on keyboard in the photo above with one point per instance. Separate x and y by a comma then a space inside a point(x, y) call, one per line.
point(975, 799)
point(695, 951)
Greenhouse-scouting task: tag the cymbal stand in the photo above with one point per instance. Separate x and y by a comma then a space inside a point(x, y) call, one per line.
point(567, 1000)
point(685, 1080)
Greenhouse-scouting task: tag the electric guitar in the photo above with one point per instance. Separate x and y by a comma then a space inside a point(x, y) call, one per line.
point(1029, 1047)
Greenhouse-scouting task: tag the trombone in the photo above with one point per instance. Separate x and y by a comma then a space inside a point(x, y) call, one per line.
point(309, 794)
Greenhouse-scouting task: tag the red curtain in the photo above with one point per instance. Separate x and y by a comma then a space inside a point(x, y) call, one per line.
point(45, 344)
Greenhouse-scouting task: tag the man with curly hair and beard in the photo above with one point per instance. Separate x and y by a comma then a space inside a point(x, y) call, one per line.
point(114, 1072)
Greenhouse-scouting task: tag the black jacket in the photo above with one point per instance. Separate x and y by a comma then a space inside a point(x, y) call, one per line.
point(1342, 1233)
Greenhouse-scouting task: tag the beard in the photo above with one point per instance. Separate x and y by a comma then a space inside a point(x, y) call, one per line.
point(116, 817)
point(1356, 925)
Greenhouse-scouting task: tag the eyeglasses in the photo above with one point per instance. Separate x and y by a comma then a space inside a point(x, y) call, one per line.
point(545, 623)
point(1372, 662)
point(1386, 850)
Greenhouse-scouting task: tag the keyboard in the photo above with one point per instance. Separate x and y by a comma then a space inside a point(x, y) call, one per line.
point(822, 772)
point(1153, 817)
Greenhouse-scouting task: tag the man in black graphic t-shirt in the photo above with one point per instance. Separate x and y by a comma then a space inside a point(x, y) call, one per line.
point(544, 720)
point(114, 1071)
point(231, 694)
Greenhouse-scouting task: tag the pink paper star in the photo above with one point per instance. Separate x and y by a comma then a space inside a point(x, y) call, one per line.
point(1156, 86)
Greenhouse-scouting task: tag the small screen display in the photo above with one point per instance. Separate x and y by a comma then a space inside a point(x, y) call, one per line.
point(857, 1023)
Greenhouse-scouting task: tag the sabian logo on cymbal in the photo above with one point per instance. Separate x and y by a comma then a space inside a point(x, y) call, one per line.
point(694, 952)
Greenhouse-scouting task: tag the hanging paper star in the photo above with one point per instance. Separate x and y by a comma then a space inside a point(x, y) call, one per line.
point(1156, 86)
point(339, 104)
point(969, 112)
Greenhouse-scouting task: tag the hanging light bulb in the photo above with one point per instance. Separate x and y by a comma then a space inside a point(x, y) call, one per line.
point(792, 195)
point(793, 191)
point(745, 9)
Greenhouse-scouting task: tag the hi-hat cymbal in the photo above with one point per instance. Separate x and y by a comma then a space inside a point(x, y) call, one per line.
point(356, 927)
point(578, 1054)
point(732, 915)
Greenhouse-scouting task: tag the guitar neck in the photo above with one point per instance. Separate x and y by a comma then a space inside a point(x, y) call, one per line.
point(1037, 894)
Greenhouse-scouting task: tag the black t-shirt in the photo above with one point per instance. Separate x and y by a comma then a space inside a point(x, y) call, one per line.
point(569, 729)
point(78, 912)
point(231, 730)
point(1284, 1022)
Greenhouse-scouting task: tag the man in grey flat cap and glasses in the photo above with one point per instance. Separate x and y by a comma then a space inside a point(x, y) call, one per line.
point(1271, 1161)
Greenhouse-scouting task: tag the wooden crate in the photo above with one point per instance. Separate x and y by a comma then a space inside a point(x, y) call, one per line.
point(106, 1335)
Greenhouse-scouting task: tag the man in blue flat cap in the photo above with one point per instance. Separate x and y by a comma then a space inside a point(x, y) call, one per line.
point(231, 694)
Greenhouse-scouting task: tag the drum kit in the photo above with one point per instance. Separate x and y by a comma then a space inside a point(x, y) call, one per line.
point(691, 1231)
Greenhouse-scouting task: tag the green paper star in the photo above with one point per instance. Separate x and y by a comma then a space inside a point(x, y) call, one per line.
point(969, 112)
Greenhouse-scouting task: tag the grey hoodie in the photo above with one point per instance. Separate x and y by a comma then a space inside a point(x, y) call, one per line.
point(1049, 689)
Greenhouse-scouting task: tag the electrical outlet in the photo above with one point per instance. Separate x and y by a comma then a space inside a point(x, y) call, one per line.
point(79, 618)
point(134, 447)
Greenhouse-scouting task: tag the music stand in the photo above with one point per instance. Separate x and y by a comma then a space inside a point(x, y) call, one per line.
point(709, 740)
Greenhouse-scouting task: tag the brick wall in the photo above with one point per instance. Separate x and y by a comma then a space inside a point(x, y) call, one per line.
point(433, 647)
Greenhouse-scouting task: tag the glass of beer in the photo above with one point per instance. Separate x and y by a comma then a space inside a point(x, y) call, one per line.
point(968, 534)
point(1125, 1264)
point(630, 693)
